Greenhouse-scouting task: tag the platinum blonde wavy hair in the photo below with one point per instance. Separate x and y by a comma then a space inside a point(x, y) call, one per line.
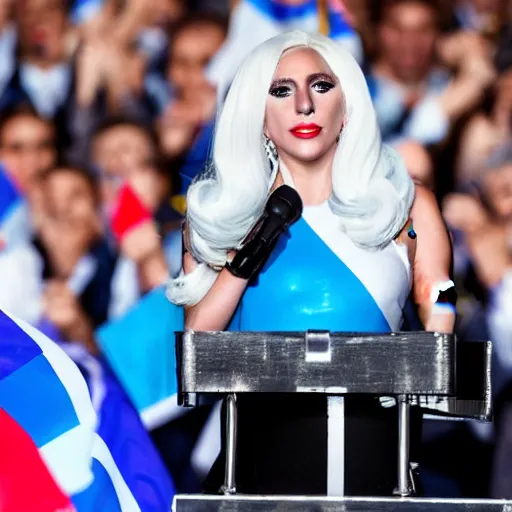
point(372, 191)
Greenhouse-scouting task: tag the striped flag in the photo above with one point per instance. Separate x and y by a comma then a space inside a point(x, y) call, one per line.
point(21, 466)
point(255, 21)
point(100, 461)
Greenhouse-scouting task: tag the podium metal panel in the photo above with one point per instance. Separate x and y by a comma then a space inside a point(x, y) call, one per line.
point(419, 363)
point(241, 503)
point(424, 368)
point(473, 384)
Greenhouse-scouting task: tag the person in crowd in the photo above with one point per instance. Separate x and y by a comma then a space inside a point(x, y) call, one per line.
point(414, 94)
point(27, 149)
point(195, 41)
point(118, 147)
point(77, 262)
point(124, 63)
point(27, 146)
point(123, 152)
point(153, 185)
point(186, 127)
point(44, 75)
point(486, 131)
point(478, 216)
point(483, 216)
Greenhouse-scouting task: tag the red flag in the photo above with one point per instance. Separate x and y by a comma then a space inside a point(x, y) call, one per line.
point(128, 213)
point(25, 482)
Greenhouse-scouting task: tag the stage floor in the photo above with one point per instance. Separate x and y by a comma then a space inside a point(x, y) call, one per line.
point(240, 503)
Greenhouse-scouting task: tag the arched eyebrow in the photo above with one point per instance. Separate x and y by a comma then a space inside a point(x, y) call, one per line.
point(322, 76)
point(283, 81)
point(310, 79)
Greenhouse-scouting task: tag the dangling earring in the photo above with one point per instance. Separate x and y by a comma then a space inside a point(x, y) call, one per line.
point(271, 151)
point(341, 131)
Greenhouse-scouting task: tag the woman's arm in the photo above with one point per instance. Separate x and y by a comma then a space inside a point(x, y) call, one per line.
point(214, 312)
point(432, 263)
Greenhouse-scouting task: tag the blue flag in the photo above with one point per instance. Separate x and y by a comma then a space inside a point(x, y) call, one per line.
point(140, 348)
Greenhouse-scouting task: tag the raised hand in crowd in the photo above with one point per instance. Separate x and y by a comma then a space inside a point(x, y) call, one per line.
point(138, 237)
point(139, 14)
point(90, 71)
point(469, 54)
point(181, 122)
point(486, 227)
point(486, 131)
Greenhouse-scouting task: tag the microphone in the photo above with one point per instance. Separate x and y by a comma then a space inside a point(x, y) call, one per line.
point(283, 208)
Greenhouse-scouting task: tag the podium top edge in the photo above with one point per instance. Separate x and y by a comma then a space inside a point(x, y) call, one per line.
point(403, 337)
point(333, 334)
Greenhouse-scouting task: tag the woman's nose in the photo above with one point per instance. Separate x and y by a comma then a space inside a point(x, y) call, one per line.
point(304, 102)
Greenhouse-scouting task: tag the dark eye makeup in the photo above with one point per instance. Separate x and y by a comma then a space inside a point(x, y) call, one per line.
point(320, 83)
point(280, 91)
point(323, 86)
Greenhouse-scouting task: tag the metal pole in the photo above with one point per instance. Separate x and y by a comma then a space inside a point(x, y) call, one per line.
point(335, 446)
point(229, 486)
point(403, 488)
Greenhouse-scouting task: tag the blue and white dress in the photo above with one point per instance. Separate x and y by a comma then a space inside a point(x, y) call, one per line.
point(316, 278)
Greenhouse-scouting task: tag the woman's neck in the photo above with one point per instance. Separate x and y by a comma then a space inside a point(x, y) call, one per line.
point(313, 181)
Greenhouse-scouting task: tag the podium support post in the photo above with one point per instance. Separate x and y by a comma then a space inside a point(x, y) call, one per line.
point(403, 489)
point(229, 486)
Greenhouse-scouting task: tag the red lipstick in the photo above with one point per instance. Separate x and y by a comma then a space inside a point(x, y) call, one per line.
point(306, 130)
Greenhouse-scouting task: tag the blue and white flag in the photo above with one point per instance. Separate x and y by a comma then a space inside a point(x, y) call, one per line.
point(89, 437)
point(140, 348)
point(255, 21)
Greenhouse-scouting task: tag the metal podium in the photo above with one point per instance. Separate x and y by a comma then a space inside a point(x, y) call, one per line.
point(431, 370)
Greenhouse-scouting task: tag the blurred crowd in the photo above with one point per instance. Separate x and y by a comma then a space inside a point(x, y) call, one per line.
point(107, 109)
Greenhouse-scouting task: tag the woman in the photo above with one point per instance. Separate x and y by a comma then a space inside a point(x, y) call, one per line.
point(346, 265)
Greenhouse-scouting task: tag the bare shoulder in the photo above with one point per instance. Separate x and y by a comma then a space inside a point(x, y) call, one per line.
point(426, 217)
point(433, 254)
point(425, 203)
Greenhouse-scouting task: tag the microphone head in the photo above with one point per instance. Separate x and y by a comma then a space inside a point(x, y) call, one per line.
point(285, 203)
